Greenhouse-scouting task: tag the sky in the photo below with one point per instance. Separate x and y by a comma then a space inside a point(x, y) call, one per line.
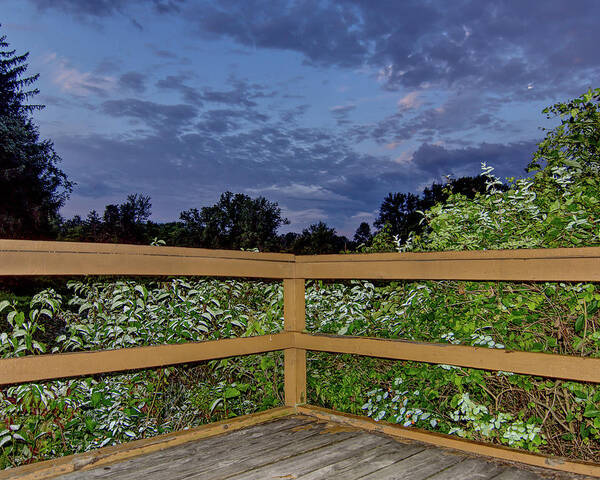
point(321, 106)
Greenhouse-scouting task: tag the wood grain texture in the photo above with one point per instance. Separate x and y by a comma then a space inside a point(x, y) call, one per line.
point(206, 455)
point(23, 257)
point(561, 264)
point(44, 367)
point(540, 364)
point(454, 443)
point(119, 453)
point(294, 314)
point(313, 459)
point(416, 467)
point(471, 469)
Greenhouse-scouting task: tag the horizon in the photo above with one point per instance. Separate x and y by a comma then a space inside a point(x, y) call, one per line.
point(322, 107)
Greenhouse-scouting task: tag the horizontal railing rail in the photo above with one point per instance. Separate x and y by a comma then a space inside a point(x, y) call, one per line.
point(565, 367)
point(28, 258)
point(22, 257)
point(33, 368)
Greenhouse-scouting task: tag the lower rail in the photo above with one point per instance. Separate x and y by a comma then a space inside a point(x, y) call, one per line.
point(46, 367)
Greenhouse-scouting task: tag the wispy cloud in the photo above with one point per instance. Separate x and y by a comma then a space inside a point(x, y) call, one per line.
point(409, 101)
point(74, 81)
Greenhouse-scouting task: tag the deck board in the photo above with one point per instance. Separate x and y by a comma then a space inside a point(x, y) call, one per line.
point(303, 448)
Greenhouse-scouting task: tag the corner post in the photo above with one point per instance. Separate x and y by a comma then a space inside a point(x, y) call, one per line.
point(295, 358)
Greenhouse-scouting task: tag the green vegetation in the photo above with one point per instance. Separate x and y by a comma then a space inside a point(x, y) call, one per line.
point(557, 206)
point(49, 419)
point(33, 187)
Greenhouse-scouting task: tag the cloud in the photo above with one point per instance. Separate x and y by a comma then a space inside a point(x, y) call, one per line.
point(242, 94)
point(227, 120)
point(163, 118)
point(459, 113)
point(72, 80)
point(504, 46)
point(409, 101)
point(341, 112)
point(297, 190)
point(133, 81)
point(105, 8)
point(508, 159)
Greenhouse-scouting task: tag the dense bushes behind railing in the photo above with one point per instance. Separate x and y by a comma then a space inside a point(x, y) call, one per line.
point(471, 403)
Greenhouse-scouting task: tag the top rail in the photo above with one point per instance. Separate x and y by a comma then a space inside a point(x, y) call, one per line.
point(557, 264)
point(26, 257)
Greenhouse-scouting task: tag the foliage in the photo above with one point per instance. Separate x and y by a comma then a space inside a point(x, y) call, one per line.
point(557, 207)
point(13, 83)
point(403, 212)
point(363, 235)
point(124, 223)
point(319, 238)
point(43, 420)
point(235, 221)
point(575, 143)
point(33, 187)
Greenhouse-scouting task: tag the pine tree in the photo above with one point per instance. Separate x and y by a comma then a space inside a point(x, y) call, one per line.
point(13, 93)
point(32, 187)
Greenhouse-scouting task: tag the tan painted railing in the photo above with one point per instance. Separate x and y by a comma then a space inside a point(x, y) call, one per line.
point(65, 258)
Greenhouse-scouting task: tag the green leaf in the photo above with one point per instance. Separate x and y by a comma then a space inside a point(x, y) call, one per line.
point(579, 324)
point(591, 411)
point(214, 404)
point(231, 392)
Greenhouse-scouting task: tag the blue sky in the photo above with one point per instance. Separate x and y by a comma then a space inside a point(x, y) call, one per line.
point(322, 106)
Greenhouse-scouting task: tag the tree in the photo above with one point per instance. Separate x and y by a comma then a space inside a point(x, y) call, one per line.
point(319, 238)
point(399, 211)
point(124, 223)
point(236, 221)
point(363, 235)
point(575, 143)
point(402, 211)
point(13, 84)
point(33, 187)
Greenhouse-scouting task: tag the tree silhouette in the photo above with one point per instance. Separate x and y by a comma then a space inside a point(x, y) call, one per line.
point(32, 187)
point(235, 221)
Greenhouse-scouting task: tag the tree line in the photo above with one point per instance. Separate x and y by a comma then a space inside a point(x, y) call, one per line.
point(34, 189)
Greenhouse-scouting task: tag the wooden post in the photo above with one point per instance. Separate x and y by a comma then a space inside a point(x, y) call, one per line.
point(295, 358)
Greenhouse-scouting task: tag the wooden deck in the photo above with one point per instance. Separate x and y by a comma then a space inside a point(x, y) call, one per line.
point(302, 447)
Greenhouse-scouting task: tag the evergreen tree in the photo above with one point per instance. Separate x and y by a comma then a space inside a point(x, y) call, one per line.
point(32, 187)
point(13, 83)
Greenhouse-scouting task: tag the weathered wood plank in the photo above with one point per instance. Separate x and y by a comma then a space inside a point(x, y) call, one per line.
point(247, 461)
point(23, 257)
point(365, 462)
point(518, 474)
point(181, 456)
point(470, 469)
point(191, 458)
point(540, 364)
point(449, 441)
point(294, 358)
point(110, 455)
point(564, 264)
point(306, 462)
point(44, 367)
point(417, 467)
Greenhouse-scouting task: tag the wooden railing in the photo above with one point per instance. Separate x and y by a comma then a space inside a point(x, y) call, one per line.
point(60, 258)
